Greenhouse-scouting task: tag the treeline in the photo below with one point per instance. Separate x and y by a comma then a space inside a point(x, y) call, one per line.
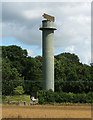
point(19, 69)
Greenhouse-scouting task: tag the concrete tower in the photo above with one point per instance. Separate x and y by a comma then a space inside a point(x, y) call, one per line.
point(48, 53)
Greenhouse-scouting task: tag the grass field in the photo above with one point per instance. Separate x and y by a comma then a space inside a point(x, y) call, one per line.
point(45, 111)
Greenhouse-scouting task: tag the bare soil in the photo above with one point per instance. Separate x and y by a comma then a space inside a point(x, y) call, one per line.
point(45, 111)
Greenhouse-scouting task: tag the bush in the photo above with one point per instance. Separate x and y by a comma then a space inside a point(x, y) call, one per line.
point(90, 97)
point(18, 90)
point(81, 98)
point(64, 97)
point(74, 98)
point(3, 97)
point(46, 97)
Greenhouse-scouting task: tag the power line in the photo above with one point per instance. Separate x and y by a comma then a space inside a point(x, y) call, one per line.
point(54, 81)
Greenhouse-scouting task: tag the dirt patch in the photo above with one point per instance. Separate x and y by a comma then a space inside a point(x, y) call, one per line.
point(43, 111)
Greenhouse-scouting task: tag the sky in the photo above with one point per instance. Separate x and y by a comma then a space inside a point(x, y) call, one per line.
point(21, 23)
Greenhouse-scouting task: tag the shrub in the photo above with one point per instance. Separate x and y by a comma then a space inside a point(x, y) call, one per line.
point(73, 98)
point(81, 98)
point(90, 97)
point(46, 97)
point(3, 97)
point(18, 90)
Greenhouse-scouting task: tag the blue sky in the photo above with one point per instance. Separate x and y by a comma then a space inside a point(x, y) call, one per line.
point(21, 22)
point(32, 49)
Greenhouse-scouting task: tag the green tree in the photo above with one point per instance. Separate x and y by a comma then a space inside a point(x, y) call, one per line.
point(10, 77)
point(70, 74)
point(13, 52)
point(16, 55)
point(18, 90)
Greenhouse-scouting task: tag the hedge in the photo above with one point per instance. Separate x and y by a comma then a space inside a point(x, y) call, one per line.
point(47, 97)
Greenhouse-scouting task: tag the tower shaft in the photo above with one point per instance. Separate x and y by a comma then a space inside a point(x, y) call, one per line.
point(48, 54)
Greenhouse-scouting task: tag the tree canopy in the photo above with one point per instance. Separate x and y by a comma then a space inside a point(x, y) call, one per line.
point(19, 69)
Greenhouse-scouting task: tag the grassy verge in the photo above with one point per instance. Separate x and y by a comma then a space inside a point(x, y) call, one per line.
point(16, 98)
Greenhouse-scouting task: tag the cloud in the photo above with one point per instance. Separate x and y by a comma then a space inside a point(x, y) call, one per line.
point(30, 52)
point(70, 49)
point(29, 14)
point(22, 21)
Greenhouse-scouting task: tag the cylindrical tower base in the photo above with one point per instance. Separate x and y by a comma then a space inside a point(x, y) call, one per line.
point(48, 54)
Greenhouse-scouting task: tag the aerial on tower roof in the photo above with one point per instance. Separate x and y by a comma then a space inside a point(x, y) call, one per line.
point(48, 17)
